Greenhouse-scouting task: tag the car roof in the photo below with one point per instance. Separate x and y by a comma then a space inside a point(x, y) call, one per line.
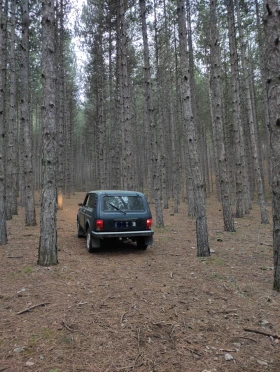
point(116, 192)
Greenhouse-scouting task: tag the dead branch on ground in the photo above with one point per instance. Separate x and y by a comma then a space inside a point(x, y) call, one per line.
point(32, 307)
point(261, 333)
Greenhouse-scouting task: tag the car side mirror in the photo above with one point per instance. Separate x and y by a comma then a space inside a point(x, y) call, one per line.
point(80, 204)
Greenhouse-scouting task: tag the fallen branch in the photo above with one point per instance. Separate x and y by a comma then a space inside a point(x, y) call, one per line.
point(228, 311)
point(135, 361)
point(247, 338)
point(13, 257)
point(228, 350)
point(32, 307)
point(70, 254)
point(81, 303)
point(191, 350)
point(122, 317)
point(138, 342)
point(67, 326)
point(227, 289)
point(261, 333)
point(162, 323)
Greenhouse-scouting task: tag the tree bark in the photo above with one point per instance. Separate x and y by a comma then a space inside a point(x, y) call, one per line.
point(11, 191)
point(252, 124)
point(272, 36)
point(30, 215)
point(3, 228)
point(218, 120)
point(264, 92)
point(48, 232)
point(242, 184)
point(161, 121)
point(60, 102)
point(128, 181)
point(151, 117)
point(203, 248)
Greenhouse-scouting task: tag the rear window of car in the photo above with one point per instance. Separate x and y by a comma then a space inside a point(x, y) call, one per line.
point(123, 203)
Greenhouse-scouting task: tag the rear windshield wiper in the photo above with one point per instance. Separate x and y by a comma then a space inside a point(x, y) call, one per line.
point(112, 205)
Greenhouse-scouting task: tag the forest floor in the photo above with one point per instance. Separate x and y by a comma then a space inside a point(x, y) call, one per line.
point(121, 309)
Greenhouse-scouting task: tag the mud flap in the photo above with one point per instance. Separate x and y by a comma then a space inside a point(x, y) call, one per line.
point(148, 240)
point(95, 243)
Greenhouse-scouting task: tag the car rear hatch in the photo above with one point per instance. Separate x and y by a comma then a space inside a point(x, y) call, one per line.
point(124, 213)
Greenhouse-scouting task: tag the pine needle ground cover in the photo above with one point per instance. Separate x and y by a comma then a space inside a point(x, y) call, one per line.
point(122, 309)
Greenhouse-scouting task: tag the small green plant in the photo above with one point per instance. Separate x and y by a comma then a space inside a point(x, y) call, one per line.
point(27, 270)
point(218, 276)
point(247, 290)
point(46, 333)
point(215, 261)
point(67, 340)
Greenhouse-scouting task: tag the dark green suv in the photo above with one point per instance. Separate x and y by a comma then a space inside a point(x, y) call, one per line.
point(115, 214)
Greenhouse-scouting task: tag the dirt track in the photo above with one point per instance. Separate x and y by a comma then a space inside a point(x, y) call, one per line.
point(122, 309)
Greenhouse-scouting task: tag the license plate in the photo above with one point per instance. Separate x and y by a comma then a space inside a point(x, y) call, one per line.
point(125, 224)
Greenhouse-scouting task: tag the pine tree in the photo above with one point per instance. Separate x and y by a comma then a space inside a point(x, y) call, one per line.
point(48, 232)
point(203, 248)
point(272, 36)
point(3, 228)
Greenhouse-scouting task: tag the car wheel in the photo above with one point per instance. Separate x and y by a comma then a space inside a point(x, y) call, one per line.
point(80, 232)
point(89, 241)
point(141, 244)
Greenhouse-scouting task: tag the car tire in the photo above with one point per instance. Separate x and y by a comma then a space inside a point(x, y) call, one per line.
point(80, 232)
point(89, 241)
point(141, 244)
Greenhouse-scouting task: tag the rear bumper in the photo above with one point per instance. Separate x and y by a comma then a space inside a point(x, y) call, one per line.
point(121, 234)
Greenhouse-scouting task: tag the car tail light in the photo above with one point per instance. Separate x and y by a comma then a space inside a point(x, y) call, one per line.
point(99, 225)
point(149, 224)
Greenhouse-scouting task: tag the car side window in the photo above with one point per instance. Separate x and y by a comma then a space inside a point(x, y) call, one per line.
point(91, 201)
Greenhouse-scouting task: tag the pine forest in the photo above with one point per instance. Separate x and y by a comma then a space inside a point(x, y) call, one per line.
point(169, 98)
point(176, 99)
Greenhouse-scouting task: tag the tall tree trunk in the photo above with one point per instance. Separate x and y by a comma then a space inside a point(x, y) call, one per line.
point(272, 36)
point(264, 92)
point(48, 232)
point(11, 191)
point(252, 123)
point(190, 138)
point(218, 119)
point(151, 117)
point(167, 69)
point(163, 157)
point(5, 113)
point(101, 116)
point(214, 136)
point(60, 102)
point(242, 183)
point(30, 215)
point(114, 155)
point(128, 181)
point(3, 228)
point(200, 130)
point(68, 149)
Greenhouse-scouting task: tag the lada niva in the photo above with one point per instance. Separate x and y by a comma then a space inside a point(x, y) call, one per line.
point(115, 214)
